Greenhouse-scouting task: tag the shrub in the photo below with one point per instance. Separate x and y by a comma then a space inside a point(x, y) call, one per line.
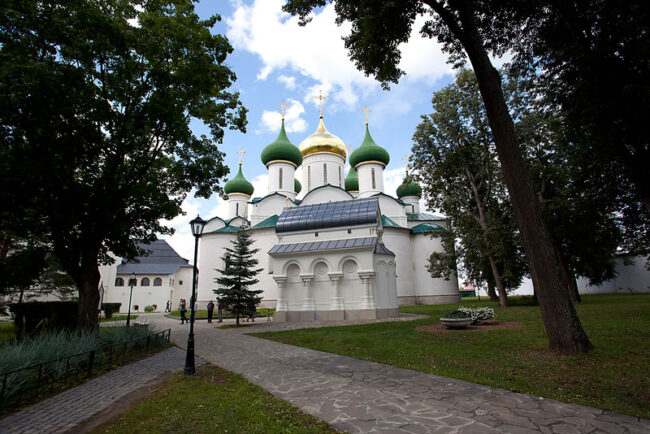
point(149, 309)
point(110, 308)
point(478, 314)
point(34, 317)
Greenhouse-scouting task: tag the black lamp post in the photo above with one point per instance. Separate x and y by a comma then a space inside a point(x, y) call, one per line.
point(128, 314)
point(197, 229)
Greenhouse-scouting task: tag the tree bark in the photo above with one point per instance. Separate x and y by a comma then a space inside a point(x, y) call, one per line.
point(86, 276)
point(491, 291)
point(563, 327)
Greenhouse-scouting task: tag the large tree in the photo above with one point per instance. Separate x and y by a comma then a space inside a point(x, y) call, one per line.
point(96, 99)
point(454, 150)
point(473, 30)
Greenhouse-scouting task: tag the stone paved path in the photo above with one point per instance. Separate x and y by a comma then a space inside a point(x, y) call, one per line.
point(359, 396)
point(68, 409)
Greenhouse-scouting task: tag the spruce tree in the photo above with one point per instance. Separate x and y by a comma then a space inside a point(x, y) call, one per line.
point(238, 276)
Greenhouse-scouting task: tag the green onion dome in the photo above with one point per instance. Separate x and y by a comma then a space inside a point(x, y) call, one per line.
point(352, 180)
point(297, 186)
point(409, 188)
point(369, 151)
point(282, 150)
point(239, 184)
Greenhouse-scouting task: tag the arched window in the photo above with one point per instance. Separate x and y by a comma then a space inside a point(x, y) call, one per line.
point(324, 173)
point(372, 175)
point(340, 178)
point(308, 177)
point(119, 282)
point(280, 178)
point(157, 281)
point(145, 281)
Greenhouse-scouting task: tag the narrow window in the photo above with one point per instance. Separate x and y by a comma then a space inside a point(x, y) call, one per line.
point(316, 233)
point(324, 173)
point(145, 282)
point(237, 208)
point(372, 174)
point(119, 282)
point(340, 178)
point(349, 231)
point(308, 178)
point(280, 178)
point(157, 281)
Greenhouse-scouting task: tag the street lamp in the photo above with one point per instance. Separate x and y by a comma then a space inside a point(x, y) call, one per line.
point(128, 315)
point(197, 229)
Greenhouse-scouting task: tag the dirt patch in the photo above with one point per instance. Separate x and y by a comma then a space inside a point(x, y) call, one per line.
point(486, 326)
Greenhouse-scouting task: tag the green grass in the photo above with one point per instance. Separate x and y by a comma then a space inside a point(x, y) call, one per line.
point(118, 317)
point(212, 401)
point(614, 376)
point(203, 314)
point(7, 331)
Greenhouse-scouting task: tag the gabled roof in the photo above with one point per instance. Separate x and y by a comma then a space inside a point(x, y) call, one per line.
point(227, 229)
point(162, 259)
point(400, 201)
point(427, 227)
point(324, 186)
point(329, 215)
point(423, 216)
point(267, 223)
point(275, 193)
point(313, 246)
point(388, 223)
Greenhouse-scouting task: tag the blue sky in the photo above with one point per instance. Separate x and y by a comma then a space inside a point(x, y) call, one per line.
point(277, 60)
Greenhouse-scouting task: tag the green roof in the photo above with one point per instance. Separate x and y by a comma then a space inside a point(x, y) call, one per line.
point(256, 199)
point(267, 223)
point(239, 184)
point(227, 229)
point(352, 180)
point(369, 151)
point(281, 149)
point(422, 216)
point(297, 186)
point(388, 223)
point(409, 188)
point(426, 227)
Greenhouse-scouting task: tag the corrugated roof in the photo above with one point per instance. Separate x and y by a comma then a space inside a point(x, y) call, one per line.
point(350, 243)
point(423, 216)
point(267, 223)
point(388, 223)
point(162, 259)
point(380, 249)
point(328, 215)
point(426, 227)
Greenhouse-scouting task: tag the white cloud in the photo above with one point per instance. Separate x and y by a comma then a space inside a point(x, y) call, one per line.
point(317, 51)
point(182, 241)
point(392, 179)
point(260, 185)
point(293, 121)
point(289, 82)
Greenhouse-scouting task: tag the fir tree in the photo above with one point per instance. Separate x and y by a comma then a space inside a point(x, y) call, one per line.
point(238, 276)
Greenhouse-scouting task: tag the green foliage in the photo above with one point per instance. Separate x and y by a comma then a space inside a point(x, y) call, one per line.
point(110, 308)
point(7, 331)
point(612, 377)
point(117, 100)
point(234, 293)
point(34, 317)
point(149, 309)
point(213, 400)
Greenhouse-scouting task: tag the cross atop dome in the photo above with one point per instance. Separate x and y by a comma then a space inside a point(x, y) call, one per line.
point(241, 153)
point(365, 111)
point(283, 106)
point(406, 163)
point(320, 97)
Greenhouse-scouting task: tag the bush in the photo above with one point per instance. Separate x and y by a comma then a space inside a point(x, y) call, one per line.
point(110, 308)
point(478, 314)
point(34, 317)
point(149, 309)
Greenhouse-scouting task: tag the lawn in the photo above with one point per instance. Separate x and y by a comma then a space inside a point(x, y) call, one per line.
point(614, 376)
point(118, 317)
point(7, 331)
point(212, 401)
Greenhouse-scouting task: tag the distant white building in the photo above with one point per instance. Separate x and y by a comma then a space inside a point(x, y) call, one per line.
point(346, 250)
point(162, 276)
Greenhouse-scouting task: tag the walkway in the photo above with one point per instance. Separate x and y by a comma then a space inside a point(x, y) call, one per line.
point(352, 395)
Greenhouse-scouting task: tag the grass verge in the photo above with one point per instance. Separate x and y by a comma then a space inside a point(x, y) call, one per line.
point(614, 376)
point(118, 317)
point(213, 400)
point(7, 331)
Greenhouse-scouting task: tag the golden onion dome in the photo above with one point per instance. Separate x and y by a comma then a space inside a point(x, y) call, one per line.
point(322, 141)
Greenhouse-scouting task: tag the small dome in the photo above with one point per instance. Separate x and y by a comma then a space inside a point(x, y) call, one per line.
point(352, 181)
point(281, 149)
point(369, 151)
point(409, 188)
point(297, 186)
point(323, 141)
point(239, 184)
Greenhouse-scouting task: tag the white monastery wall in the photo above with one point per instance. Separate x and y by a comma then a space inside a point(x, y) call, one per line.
point(321, 169)
point(270, 205)
point(325, 194)
point(365, 172)
point(398, 241)
point(281, 184)
point(633, 278)
point(427, 289)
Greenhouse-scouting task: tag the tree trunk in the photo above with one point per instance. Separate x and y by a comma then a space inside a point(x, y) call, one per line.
point(86, 276)
point(491, 291)
point(503, 297)
point(563, 327)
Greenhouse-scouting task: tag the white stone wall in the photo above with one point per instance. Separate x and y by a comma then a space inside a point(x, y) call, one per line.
point(238, 205)
point(325, 194)
point(270, 205)
point(413, 204)
point(286, 187)
point(633, 278)
point(398, 241)
point(313, 170)
point(365, 179)
point(427, 289)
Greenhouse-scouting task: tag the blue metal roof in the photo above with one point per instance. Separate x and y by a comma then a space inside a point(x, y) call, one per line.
point(328, 215)
point(350, 243)
point(161, 259)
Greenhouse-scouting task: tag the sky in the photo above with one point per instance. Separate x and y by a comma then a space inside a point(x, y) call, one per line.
point(276, 60)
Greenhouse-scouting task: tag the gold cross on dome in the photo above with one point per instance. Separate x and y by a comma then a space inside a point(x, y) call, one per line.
point(366, 110)
point(351, 148)
point(241, 153)
point(406, 162)
point(320, 97)
point(283, 106)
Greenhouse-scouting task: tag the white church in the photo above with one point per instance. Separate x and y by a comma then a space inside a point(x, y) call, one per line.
point(347, 250)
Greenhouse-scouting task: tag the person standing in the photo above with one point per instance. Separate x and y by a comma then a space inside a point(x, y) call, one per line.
point(183, 308)
point(168, 308)
point(220, 310)
point(210, 310)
